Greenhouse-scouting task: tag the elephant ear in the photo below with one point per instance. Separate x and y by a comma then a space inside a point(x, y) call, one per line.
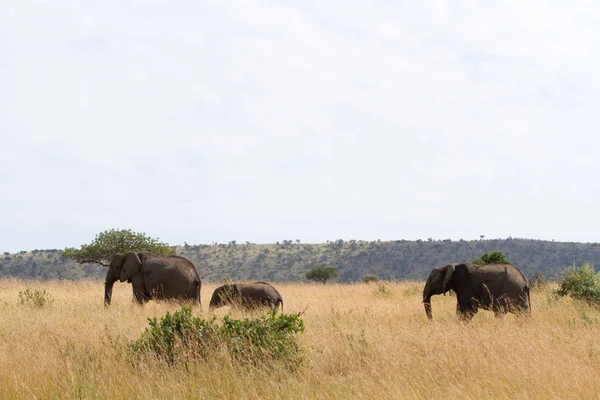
point(131, 266)
point(117, 261)
point(447, 276)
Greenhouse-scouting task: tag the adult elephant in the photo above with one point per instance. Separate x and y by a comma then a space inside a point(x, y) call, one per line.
point(249, 295)
point(154, 277)
point(500, 287)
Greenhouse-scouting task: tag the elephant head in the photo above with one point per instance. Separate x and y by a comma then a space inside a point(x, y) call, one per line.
point(122, 267)
point(454, 277)
point(438, 282)
point(223, 295)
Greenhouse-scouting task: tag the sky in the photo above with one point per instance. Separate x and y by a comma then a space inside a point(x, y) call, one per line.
point(211, 121)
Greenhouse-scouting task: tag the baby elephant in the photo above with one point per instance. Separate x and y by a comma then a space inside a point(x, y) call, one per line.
point(249, 295)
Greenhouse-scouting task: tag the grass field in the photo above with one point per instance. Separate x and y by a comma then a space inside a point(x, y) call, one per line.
point(361, 341)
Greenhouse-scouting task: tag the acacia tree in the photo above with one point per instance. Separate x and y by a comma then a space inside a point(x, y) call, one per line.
point(490, 258)
point(115, 241)
point(322, 274)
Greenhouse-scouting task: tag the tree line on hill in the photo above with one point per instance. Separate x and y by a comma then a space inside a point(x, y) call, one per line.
point(289, 260)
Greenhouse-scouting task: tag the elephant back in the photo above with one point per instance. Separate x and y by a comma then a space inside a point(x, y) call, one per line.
point(184, 264)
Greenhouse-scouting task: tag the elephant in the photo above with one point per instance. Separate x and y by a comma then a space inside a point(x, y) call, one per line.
point(154, 277)
point(500, 287)
point(249, 295)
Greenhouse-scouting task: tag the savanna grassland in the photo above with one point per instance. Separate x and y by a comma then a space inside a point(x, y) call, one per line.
point(361, 341)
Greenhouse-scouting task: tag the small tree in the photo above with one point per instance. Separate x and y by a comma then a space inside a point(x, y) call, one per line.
point(322, 274)
point(370, 278)
point(115, 241)
point(490, 258)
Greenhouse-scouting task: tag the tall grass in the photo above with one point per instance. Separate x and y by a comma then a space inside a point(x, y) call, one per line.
point(361, 341)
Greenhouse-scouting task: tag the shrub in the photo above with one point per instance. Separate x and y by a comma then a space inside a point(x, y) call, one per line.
point(580, 283)
point(370, 278)
point(176, 337)
point(174, 332)
point(271, 335)
point(36, 298)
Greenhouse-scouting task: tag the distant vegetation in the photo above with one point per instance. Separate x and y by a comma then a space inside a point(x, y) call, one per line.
point(290, 260)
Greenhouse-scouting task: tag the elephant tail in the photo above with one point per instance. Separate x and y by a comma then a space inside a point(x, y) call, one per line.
point(528, 299)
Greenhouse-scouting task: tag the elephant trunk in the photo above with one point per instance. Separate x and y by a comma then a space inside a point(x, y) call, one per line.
point(427, 303)
point(108, 287)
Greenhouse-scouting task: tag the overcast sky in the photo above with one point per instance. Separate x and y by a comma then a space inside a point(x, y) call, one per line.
point(202, 121)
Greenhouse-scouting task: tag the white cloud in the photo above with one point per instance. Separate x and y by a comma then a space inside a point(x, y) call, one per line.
point(256, 120)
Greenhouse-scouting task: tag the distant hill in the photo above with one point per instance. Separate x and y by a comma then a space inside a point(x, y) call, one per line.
point(289, 260)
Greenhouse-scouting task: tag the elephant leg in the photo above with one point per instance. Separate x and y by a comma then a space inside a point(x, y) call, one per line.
point(463, 313)
point(505, 305)
point(139, 292)
point(465, 316)
point(524, 306)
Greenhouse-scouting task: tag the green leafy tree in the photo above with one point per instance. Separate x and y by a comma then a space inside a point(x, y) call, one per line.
point(490, 258)
point(322, 274)
point(114, 241)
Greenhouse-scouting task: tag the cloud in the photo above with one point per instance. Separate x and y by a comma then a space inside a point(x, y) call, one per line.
point(258, 120)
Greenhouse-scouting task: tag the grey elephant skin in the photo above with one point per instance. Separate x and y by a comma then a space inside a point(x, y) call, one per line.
point(154, 277)
point(500, 287)
point(249, 295)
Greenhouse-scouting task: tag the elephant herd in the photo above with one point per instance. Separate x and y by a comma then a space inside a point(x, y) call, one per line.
point(500, 287)
point(174, 277)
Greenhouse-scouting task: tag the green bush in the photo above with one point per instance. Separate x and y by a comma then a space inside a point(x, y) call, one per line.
point(370, 278)
point(580, 283)
point(173, 334)
point(271, 335)
point(180, 335)
point(35, 298)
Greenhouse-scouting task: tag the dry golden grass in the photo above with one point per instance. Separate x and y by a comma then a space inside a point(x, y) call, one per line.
point(360, 342)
